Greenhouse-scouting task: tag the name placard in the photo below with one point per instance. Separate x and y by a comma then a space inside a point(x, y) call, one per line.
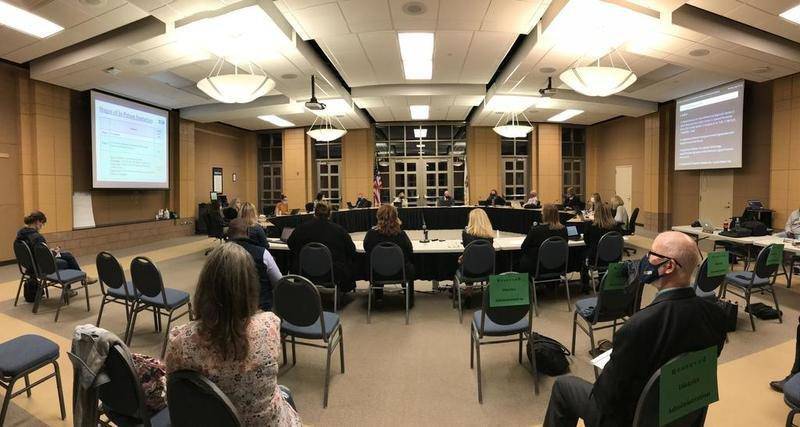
point(688, 384)
point(508, 290)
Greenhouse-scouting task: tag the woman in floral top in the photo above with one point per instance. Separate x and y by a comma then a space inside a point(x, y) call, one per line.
point(232, 343)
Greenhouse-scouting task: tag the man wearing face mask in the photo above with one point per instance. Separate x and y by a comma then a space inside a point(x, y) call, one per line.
point(676, 322)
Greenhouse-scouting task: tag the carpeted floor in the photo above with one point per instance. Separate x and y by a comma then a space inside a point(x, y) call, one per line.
point(416, 374)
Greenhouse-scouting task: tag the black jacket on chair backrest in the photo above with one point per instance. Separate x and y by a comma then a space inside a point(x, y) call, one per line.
point(329, 234)
point(676, 322)
point(257, 252)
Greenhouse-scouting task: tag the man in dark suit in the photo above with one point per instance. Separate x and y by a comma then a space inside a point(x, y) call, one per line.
point(446, 199)
point(572, 201)
point(495, 199)
point(676, 322)
point(362, 202)
point(332, 235)
point(268, 272)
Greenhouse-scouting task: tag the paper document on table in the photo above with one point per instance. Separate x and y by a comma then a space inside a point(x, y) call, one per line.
point(601, 360)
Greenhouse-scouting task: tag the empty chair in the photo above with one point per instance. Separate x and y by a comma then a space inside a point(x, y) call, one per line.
point(609, 249)
point(26, 265)
point(215, 226)
point(791, 396)
point(316, 264)
point(630, 230)
point(759, 280)
point(194, 400)
point(154, 297)
point(551, 267)
point(387, 267)
point(476, 266)
point(705, 286)
point(50, 275)
point(113, 286)
point(298, 304)
point(501, 321)
point(22, 356)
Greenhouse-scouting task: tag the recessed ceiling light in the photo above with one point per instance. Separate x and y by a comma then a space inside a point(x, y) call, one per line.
point(420, 133)
point(112, 70)
point(416, 50)
point(761, 70)
point(699, 52)
point(792, 14)
point(93, 3)
point(26, 22)
point(564, 115)
point(419, 112)
point(277, 121)
point(414, 8)
point(289, 76)
point(139, 62)
point(547, 70)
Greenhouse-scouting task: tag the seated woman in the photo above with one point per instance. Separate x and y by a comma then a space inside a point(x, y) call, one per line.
point(603, 223)
point(533, 201)
point(400, 201)
point(231, 342)
point(254, 231)
point(388, 230)
point(282, 208)
point(619, 212)
point(29, 233)
point(595, 201)
point(478, 228)
point(550, 226)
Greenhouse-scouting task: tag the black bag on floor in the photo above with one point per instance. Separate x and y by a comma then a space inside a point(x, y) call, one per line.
point(762, 311)
point(551, 355)
point(29, 290)
point(731, 311)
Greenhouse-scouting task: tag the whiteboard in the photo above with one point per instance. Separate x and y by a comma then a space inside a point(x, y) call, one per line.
point(82, 213)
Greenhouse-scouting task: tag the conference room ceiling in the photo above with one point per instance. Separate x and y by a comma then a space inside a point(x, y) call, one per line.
point(133, 49)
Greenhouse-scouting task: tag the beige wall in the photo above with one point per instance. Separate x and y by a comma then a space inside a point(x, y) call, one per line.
point(297, 176)
point(549, 166)
point(483, 162)
point(784, 188)
point(358, 156)
point(618, 142)
point(10, 162)
point(233, 150)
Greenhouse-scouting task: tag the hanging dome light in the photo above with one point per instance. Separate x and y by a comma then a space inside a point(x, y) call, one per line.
point(513, 128)
point(239, 87)
point(597, 80)
point(326, 131)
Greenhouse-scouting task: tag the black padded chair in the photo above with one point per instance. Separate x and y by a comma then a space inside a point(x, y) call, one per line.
point(609, 249)
point(647, 407)
point(154, 297)
point(387, 267)
point(22, 356)
point(122, 398)
point(316, 264)
point(552, 265)
point(298, 304)
point(26, 265)
point(215, 229)
point(760, 280)
point(791, 396)
point(50, 275)
point(476, 267)
point(507, 321)
point(608, 306)
point(704, 286)
point(630, 230)
point(194, 400)
point(114, 287)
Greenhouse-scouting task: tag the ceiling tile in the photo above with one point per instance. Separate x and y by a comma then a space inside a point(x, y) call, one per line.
point(462, 14)
point(450, 51)
point(346, 53)
point(424, 22)
point(509, 16)
point(384, 54)
point(366, 15)
point(322, 21)
point(485, 53)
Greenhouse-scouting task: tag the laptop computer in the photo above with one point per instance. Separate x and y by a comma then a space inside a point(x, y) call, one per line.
point(572, 233)
point(294, 212)
point(286, 233)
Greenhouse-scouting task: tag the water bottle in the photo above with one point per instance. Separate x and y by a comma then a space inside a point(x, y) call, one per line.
point(424, 232)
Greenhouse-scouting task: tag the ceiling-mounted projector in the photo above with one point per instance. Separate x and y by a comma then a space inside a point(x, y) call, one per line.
point(313, 104)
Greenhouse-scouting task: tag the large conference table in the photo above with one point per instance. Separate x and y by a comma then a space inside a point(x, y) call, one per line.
point(434, 260)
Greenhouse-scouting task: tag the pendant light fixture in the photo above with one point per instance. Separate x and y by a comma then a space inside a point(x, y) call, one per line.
point(326, 130)
point(513, 128)
point(599, 80)
point(243, 86)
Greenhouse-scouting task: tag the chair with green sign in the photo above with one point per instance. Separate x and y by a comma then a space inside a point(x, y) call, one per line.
point(711, 275)
point(506, 312)
point(614, 302)
point(679, 406)
point(759, 280)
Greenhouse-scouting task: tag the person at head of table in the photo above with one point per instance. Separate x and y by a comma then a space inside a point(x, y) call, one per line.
point(572, 201)
point(551, 226)
point(533, 201)
point(254, 230)
point(361, 201)
point(495, 199)
point(676, 322)
point(595, 201)
point(233, 343)
point(479, 227)
point(282, 208)
point(320, 197)
point(400, 200)
point(619, 211)
point(792, 227)
point(389, 230)
point(603, 223)
point(446, 200)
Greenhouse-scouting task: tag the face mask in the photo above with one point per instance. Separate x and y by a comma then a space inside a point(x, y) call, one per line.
point(648, 273)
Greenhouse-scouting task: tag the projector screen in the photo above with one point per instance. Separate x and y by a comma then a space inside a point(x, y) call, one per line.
point(130, 144)
point(708, 128)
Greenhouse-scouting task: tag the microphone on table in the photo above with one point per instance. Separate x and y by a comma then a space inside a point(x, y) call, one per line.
point(424, 231)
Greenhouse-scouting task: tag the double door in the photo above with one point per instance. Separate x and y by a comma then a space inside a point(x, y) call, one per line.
point(422, 180)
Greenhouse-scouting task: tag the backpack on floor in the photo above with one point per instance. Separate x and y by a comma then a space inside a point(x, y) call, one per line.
point(29, 290)
point(731, 314)
point(551, 355)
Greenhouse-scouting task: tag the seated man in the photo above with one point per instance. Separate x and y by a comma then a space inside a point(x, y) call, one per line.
point(793, 225)
point(572, 201)
point(322, 230)
point(446, 199)
point(495, 199)
point(676, 322)
point(268, 272)
point(362, 202)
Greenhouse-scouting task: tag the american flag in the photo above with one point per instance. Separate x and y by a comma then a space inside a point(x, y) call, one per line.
point(377, 185)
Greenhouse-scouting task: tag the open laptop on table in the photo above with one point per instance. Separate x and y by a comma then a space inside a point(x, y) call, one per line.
point(572, 233)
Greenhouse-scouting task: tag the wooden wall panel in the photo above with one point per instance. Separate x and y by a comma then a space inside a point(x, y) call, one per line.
point(784, 177)
point(234, 150)
point(358, 157)
point(483, 163)
point(296, 168)
point(549, 166)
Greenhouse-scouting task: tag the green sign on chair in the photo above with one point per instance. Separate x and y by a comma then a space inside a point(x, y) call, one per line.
point(687, 384)
point(717, 264)
point(507, 290)
point(614, 279)
point(775, 254)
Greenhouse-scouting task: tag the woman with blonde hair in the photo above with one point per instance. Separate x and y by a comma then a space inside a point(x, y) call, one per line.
point(551, 226)
point(389, 230)
point(619, 211)
point(603, 223)
point(255, 232)
point(478, 228)
point(595, 201)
